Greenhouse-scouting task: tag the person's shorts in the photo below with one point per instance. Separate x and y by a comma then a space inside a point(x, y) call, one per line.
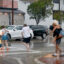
point(0, 45)
point(58, 41)
point(27, 40)
point(4, 37)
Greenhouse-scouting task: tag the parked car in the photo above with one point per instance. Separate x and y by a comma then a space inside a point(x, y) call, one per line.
point(14, 31)
point(39, 30)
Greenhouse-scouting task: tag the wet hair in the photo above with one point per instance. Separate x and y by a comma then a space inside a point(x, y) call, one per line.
point(25, 25)
point(55, 22)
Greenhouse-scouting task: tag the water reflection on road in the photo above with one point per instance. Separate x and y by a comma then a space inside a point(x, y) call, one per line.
point(28, 58)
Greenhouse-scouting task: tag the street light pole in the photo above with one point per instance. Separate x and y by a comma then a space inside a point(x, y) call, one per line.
point(12, 12)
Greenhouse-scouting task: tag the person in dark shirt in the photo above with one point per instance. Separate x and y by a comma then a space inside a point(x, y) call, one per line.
point(56, 29)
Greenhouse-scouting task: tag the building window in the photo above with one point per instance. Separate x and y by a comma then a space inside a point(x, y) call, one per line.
point(56, 1)
point(63, 2)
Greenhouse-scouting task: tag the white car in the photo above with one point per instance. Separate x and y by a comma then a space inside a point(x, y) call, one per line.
point(14, 32)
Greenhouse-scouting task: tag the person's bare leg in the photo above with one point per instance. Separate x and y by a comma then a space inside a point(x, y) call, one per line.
point(24, 44)
point(56, 48)
point(58, 51)
point(27, 46)
point(54, 41)
point(3, 44)
point(2, 49)
point(7, 45)
point(57, 54)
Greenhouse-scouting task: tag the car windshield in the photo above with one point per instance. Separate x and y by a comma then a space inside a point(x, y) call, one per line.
point(9, 27)
point(36, 27)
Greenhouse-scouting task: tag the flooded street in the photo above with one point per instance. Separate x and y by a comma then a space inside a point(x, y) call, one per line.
point(18, 54)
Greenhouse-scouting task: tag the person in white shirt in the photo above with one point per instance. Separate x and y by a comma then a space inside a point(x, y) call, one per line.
point(26, 33)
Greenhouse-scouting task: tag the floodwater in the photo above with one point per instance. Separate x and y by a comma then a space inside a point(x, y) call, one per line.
point(39, 49)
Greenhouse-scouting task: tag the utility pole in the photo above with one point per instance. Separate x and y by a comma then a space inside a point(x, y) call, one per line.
point(12, 12)
point(59, 13)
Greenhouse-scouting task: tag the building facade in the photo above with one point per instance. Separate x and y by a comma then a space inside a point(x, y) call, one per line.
point(59, 6)
point(6, 13)
point(8, 4)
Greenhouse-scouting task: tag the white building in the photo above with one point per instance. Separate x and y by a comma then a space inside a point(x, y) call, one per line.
point(22, 5)
point(6, 13)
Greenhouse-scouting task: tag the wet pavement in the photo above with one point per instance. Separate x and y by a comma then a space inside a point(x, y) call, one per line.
point(50, 59)
point(18, 54)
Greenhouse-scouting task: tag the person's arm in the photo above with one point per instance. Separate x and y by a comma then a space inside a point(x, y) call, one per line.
point(54, 29)
point(3, 31)
point(31, 32)
point(6, 30)
point(60, 36)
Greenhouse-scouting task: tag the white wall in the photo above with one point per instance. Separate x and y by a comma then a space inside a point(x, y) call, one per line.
point(4, 20)
point(23, 6)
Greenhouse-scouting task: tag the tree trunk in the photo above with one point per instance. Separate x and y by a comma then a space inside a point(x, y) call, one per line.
point(37, 20)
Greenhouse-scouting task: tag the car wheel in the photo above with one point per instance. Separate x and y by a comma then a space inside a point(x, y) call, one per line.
point(43, 36)
point(9, 37)
point(34, 37)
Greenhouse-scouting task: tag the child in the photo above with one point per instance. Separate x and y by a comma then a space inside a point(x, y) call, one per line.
point(4, 37)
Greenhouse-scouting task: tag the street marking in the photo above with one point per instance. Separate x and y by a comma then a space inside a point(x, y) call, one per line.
point(37, 61)
point(19, 53)
point(18, 60)
point(23, 52)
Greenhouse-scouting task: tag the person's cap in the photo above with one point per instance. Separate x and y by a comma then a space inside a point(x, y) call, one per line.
point(55, 22)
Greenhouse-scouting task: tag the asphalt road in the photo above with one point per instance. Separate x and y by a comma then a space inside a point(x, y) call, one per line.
point(18, 54)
